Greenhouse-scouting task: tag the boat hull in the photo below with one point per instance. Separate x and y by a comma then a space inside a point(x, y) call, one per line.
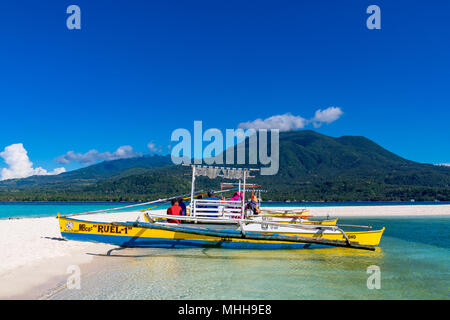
point(128, 235)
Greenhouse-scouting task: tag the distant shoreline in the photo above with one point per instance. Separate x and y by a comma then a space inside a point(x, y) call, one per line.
point(41, 209)
point(264, 201)
point(68, 201)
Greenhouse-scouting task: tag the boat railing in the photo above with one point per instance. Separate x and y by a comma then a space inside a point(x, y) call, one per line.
point(215, 208)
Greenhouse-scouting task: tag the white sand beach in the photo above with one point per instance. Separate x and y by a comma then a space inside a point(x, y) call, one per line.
point(33, 253)
point(34, 257)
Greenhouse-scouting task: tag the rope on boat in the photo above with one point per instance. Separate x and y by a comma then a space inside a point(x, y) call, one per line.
point(124, 207)
point(111, 209)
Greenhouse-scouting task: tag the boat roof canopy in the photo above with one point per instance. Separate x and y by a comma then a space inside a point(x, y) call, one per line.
point(223, 172)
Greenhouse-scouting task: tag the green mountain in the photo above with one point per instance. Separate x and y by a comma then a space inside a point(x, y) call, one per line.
point(350, 168)
point(89, 175)
point(313, 167)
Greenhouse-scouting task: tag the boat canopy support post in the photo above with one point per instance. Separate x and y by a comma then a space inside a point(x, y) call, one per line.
point(192, 191)
point(223, 172)
point(243, 196)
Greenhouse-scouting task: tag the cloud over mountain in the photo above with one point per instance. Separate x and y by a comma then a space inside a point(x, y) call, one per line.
point(289, 122)
point(283, 122)
point(443, 164)
point(19, 164)
point(154, 148)
point(93, 156)
point(328, 115)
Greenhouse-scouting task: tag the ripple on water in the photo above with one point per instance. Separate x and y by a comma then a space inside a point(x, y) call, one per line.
point(410, 267)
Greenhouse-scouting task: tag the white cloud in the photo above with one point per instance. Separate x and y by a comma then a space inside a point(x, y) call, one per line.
point(284, 122)
point(328, 115)
point(58, 171)
point(93, 156)
point(19, 165)
point(153, 147)
point(443, 164)
point(289, 122)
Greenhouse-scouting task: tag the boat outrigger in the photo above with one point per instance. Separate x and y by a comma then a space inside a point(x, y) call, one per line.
point(220, 223)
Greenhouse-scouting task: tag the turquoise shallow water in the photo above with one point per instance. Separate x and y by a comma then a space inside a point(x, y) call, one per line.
point(413, 259)
point(50, 209)
point(47, 209)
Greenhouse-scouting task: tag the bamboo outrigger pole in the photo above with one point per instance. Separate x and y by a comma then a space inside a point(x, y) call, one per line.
point(258, 236)
point(242, 221)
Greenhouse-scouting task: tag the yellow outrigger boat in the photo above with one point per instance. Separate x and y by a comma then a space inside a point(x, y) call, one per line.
point(170, 235)
point(219, 223)
point(303, 213)
point(302, 217)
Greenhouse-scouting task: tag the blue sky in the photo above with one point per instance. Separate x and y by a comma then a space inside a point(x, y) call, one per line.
point(137, 70)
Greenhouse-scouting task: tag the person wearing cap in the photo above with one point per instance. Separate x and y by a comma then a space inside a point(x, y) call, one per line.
point(211, 196)
point(253, 205)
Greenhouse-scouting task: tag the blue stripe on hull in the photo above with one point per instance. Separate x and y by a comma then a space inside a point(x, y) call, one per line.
point(180, 243)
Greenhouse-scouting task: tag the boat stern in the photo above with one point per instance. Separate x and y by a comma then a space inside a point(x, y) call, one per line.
point(370, 238)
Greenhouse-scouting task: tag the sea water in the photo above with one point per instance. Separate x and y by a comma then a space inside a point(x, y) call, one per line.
point(413, 260)
point(48, 209)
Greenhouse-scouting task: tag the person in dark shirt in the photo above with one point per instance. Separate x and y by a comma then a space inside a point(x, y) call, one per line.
point(199, 197)
point(182, 205)
point(174, 210)
point(211, 196)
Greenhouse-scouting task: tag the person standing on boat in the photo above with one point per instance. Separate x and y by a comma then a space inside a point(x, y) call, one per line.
point(174, 210)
